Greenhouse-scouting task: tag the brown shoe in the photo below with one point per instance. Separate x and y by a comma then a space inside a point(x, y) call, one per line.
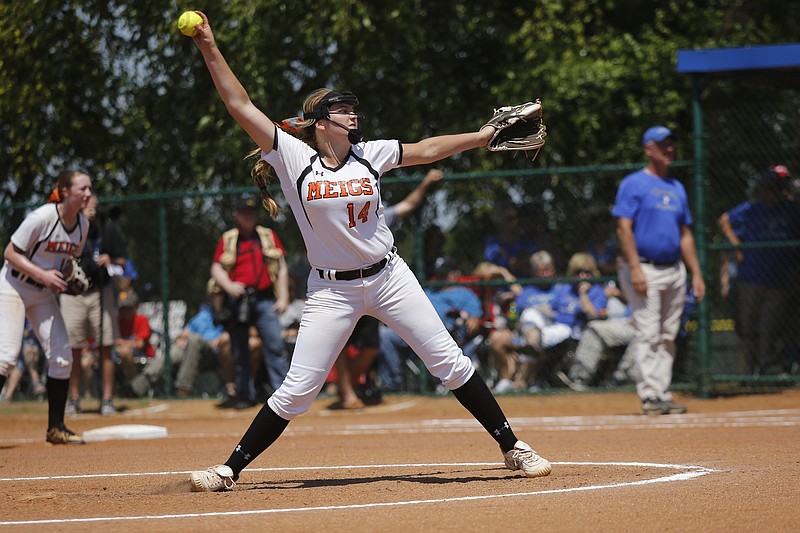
point(63, 436)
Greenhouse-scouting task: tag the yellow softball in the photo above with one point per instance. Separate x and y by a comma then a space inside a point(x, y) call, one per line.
point(187, 22)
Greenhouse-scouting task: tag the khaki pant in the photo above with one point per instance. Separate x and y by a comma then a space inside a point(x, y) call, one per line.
point(657, 318)
point(599, 336)
point(82, 317)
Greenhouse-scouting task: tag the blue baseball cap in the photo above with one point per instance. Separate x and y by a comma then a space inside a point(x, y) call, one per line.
point(657, 134)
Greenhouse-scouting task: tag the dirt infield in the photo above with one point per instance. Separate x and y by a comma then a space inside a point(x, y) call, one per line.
point(418, 464)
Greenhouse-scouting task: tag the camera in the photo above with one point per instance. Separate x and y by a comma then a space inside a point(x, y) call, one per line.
point(245, 306)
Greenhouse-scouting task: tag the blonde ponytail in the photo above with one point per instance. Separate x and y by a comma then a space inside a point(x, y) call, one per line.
point(261, 176)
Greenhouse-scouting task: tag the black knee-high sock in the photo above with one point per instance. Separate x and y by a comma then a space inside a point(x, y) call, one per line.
point(2, 381)
point(265, 429)
point(57, 390)
point(478, 399)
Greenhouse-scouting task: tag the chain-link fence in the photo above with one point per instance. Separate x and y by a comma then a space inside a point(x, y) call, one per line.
point(750, 126)
point(752, 326)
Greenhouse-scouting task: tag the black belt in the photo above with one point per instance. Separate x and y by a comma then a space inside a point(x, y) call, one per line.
point(266, 294)
point(654, 263)
point(27, 279)
point(349, 275)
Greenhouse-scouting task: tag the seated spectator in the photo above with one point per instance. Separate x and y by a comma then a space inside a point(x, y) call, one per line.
point(202, 345)
point(506, 344)
point(508, 247)
point(216, 355)
point(569, 313)
point(495, 301)
point(602, 341)
point(133, 348)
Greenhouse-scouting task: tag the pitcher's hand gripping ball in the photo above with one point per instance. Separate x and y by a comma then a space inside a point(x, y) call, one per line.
point(77, 280)
point(187, 21)
point(518, 127)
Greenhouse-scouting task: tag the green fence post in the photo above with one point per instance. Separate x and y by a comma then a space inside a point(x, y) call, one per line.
point(162, 220)
point(701, 229)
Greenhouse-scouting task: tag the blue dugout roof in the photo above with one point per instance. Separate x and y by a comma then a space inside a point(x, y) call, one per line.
point(781, 61)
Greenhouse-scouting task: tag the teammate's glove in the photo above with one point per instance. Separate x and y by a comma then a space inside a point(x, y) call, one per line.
point(77, 280)
point(518, 127)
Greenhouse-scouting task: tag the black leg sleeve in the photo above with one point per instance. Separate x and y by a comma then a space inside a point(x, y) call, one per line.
point(57, 390)
point(478, 399)
point(265, 429)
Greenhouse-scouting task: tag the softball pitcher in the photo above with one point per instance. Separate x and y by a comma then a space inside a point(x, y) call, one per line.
point(31, 280)
point(331, 180)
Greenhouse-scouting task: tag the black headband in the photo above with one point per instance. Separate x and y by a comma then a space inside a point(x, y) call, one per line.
point(322, 109)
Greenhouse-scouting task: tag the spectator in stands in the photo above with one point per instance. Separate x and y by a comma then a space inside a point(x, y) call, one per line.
point(544, 327)
point(132, 349)
point(94, 313)
point(602, 341)
point(512, 354)
point(201, 345)
point(250, 268)
point(508, 247)
point(765, 276)
point(219, 340)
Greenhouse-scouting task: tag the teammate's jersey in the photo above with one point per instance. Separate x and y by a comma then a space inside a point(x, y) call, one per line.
point(43, 238)
point(339, 209)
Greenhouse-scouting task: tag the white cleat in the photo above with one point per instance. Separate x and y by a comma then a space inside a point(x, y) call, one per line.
point(215, 479)
point(522, 457)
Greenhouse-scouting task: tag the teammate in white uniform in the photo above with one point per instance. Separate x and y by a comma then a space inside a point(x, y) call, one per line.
point(332, 184)
point(31, 280)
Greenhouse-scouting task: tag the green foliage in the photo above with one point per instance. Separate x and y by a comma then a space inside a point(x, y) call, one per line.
point(112, 87)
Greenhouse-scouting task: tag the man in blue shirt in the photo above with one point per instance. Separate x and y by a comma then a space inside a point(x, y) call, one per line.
point(764, 275)
point(653, 226)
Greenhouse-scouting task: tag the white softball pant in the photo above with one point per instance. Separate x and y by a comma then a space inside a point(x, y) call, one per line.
point(393, 296)
point(18, 300)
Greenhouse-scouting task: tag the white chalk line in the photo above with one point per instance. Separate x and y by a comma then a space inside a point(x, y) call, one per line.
point(692, 472)
point(746, 419)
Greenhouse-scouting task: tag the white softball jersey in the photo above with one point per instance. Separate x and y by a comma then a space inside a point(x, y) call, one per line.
point(338, 210)
point(45, 240)
point(340, 216)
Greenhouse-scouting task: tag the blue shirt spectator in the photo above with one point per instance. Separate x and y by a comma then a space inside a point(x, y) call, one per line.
point(203, 324)
point(454, 302)
point(756, 221)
